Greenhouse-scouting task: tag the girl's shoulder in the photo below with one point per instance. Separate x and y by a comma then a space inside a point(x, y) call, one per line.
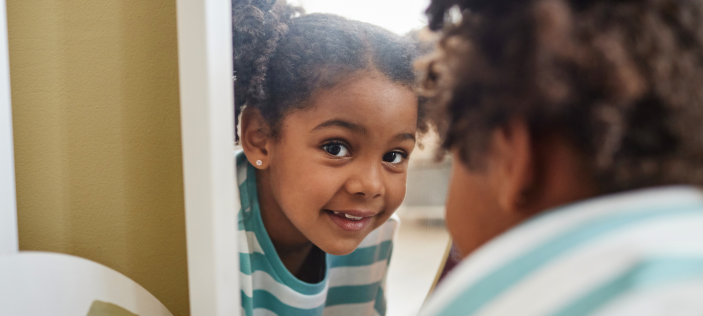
point(240, 165)
point(374, 250)
point(384, 234)
point(243, 180)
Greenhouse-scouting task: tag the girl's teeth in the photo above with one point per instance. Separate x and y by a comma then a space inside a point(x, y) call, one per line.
point(356, 218)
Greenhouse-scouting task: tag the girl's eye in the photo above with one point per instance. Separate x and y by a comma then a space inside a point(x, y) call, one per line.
point(336, 149)
point(393, 157)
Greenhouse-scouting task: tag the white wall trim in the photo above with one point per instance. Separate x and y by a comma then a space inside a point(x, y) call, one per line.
point(8, 200)
point(207, 129)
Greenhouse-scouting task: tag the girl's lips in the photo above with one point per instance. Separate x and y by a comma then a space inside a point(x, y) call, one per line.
point(350, 220)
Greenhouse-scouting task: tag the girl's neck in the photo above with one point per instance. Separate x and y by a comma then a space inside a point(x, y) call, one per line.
point(303, 259)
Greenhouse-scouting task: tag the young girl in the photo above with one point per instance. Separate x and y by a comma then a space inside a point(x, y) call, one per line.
point(576, 128)
point(329, 119)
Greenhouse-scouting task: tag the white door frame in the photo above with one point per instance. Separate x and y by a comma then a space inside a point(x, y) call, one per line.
point(207, 129)
point(8, 200)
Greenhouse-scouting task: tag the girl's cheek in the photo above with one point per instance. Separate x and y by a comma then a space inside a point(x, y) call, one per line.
point(315, 188)
point(396, 193)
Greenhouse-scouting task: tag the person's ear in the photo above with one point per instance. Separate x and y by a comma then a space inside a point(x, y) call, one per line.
point(255, 138)
point(515, 166)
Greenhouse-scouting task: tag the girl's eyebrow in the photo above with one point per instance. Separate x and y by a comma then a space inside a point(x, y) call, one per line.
point(405, 136)
point(353, 127)
point(356, 128)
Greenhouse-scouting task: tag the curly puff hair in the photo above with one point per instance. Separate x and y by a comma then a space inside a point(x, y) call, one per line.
point(621, 80)
point(282, 56)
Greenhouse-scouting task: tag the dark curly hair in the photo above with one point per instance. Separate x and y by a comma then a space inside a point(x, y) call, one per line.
point(621, 80)
point(282, 56)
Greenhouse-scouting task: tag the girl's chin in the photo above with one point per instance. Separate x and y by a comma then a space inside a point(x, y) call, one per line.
point(340, 248)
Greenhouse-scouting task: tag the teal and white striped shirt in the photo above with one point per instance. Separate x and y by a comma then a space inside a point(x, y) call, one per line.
point(353, 285)
point(634, 253)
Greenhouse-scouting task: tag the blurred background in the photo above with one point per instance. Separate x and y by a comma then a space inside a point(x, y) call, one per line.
point(423, 239)
point(399, 16)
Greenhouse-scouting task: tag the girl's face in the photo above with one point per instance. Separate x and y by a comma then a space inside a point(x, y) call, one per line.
point(339, 169)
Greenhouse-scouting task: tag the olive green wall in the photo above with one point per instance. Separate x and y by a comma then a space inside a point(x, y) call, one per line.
point(97, 136)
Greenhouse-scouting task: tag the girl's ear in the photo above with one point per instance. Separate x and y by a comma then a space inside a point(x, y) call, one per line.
point(515, 165)
point(255, 138)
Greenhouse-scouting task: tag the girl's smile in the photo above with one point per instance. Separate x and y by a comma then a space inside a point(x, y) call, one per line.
point(352, 220)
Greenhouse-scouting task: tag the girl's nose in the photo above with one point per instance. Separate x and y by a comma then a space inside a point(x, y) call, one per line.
point(367, 181)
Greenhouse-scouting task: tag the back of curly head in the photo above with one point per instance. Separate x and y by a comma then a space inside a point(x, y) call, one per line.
point(283, 56)
point(621, 80)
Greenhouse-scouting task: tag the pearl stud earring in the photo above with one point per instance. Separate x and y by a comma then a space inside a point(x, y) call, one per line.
point(258, 162)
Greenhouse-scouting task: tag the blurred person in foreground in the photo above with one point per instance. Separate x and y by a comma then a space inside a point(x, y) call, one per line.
point(576, 129)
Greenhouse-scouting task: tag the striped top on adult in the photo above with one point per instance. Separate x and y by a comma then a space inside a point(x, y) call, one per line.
point(633, 253)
